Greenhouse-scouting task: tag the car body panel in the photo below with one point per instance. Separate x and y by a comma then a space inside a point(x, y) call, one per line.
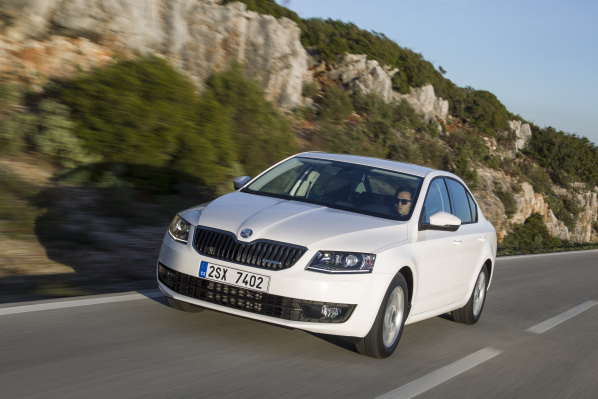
point(299, 223)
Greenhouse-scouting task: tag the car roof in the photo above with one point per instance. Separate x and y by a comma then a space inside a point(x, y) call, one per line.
point(414, 170)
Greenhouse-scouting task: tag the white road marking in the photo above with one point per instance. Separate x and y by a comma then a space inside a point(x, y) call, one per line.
point(548, 324)
point(529, 256)
point(79, 302)
point(444, 374)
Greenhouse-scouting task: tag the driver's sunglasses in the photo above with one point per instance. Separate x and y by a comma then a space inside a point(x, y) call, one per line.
point(403, 201)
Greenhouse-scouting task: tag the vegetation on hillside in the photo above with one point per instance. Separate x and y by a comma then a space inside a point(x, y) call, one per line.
point(567, 157)
point(139, 125)
point(147, 125)
point(551, 157)
point(533, 237)
point(330, 39)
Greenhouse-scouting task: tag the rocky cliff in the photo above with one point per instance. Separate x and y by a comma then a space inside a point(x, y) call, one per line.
point(528, 202)
point(41, 39)
point(47, 38)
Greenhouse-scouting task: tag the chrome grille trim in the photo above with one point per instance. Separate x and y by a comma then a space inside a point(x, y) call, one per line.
point(265, 254)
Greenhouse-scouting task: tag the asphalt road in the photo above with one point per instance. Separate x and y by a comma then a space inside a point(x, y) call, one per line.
point(538, 338)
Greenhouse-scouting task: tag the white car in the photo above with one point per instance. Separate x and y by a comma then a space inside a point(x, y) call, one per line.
point(317, 242)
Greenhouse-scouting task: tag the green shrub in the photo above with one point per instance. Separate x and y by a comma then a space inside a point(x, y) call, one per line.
point(530, 237)
point(567, 157)
point(516, 187)
point(260, 135)
point(492, 161)
point(467, 146)
point(433, 154)
point(537, 177)
point(55, 136)
point(485, 112)
point(133, 111)
point(565, 209)
point(308, 112)
point(508, 200)
point(406, 149)
point(347, 139)
point(470, 142)
point(15, 125)
point(464, 169)
point(207, 150)
point(336, 105)
point(372, 106)
point(146, 122)
point(310, 89)
point(17, 215)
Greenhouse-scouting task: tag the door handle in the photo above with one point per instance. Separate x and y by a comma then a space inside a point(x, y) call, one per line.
point(457, 243)
point(481, 238)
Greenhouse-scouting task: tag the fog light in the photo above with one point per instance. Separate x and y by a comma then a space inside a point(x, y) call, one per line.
point(326, 313)
point(166, 275)
point(331, 312)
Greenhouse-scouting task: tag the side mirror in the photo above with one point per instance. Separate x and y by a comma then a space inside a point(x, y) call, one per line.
point(442, 221)
point(241, 181)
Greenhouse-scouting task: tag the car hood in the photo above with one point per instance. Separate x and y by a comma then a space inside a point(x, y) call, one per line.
point(309, 225)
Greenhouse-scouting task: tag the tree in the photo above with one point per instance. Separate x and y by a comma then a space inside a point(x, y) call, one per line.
point(133, 111)
point(260, 134)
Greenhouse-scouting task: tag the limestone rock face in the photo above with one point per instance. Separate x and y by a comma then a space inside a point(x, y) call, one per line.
point(523, 133)
point(529, 202)
point(492, 207)
point(357, 72)
point(584, 231)
point(424, 101)
point(199, 36)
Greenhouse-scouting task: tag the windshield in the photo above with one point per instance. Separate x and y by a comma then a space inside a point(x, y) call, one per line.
point(357, 188)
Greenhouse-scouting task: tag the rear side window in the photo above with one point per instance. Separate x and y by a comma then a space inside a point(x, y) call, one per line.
point(473, 207)
point(460, 201)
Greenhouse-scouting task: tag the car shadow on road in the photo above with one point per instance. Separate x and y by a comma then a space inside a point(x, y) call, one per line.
point(341, 342)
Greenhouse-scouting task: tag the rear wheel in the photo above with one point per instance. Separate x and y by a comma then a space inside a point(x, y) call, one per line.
point(383, 338)
point(184, 306)
point(472, 311)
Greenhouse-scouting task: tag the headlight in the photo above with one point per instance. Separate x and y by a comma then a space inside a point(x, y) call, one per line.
point(179, 229)
point(342, 262)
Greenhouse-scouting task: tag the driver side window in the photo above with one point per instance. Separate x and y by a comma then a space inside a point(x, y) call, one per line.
point(437, 200)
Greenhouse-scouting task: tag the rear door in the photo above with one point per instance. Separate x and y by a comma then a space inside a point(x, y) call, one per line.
point(470, 240)
point(436, 253)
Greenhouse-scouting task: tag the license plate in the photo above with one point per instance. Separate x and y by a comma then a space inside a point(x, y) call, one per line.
point(235, 277)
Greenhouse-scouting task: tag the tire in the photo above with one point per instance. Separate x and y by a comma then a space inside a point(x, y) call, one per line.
point(383, 338)
point(183, 306)
point(472, 311)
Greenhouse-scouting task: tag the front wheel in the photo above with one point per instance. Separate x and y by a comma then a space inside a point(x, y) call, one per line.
point(472, 311)
point(383, 338)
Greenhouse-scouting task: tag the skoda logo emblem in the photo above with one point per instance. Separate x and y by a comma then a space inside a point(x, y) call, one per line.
point(246, 233)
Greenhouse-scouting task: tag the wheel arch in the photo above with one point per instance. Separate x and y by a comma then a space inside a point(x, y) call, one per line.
point(408, 275)
point(490, 267)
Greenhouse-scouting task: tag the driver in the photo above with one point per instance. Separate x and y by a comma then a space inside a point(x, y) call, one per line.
point(402, 201)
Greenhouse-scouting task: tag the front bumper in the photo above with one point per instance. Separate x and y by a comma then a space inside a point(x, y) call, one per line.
point(262, 303)
point(296, 298)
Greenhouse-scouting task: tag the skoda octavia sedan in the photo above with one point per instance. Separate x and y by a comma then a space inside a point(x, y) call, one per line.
point(334, 244)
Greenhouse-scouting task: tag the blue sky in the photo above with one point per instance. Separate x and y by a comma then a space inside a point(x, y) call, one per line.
point(539, 57)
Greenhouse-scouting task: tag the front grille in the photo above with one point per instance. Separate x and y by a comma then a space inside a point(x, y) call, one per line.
point(233, 297)
point(264, 254)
